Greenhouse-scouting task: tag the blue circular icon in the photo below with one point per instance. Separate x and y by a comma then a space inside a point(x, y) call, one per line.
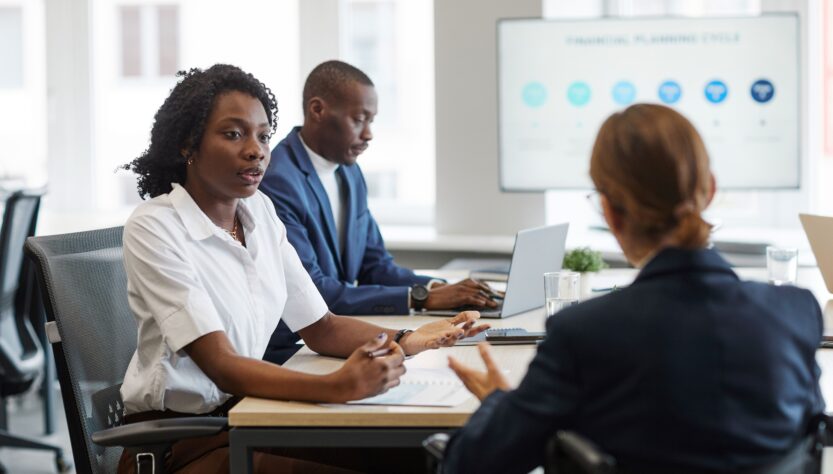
point(534, 94)
point(716, 91)
point(670, 92)
point(624, 92)
point(578, 93)
point(762, 91)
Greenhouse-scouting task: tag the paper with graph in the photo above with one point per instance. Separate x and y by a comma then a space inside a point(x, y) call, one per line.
point(423, 387)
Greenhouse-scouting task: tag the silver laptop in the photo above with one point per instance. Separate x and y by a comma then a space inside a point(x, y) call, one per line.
point(536, 252)
point(819, 230)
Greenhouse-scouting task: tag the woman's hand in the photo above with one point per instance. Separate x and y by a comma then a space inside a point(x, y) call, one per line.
point(442, 333)
point(373, 368)
point(481, 384)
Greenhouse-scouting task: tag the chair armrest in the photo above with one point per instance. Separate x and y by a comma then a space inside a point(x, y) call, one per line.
point(435, 445)
point(159, 431)
point(582, 452)
point(823, 427)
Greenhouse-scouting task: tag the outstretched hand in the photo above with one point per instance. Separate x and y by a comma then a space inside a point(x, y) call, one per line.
point(481, 384)
point(442, 333)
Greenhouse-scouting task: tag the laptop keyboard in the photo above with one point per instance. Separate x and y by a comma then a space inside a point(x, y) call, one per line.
point(481, 308)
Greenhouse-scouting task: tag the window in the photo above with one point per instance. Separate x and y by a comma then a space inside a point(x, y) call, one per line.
point(168, 21)
point(131, 76)
point(131, 41)
point(149, 40)
point(11, 47)
point(827, 36)
point(392, 41)
point(371, 44)
point(23, 111)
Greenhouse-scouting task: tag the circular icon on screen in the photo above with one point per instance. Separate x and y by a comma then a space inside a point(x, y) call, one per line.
point(624, 92)
point(534, 94)
point(762, 91)
point(578, 93)
point(716, 91)
point(670, 92)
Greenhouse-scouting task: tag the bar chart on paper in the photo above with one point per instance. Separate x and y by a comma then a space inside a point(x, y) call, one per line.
point(423, 387)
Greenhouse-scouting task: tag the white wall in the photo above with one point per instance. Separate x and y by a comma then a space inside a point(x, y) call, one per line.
point(69, 118)
point(468, 198)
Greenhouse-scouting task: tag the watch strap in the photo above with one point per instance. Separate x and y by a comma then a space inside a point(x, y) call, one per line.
point(400, 334)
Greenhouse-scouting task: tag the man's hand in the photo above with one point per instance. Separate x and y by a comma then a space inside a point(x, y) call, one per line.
point(442, 333)
point(464, 293)
point(373, 368)
point(481, 384)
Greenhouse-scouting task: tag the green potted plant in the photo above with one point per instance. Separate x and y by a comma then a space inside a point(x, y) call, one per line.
point(586, 262)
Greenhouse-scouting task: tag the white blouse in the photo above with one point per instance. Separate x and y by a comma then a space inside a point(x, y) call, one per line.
point(186, 277)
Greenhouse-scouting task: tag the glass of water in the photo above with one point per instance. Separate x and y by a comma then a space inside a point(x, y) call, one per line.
point(561, 289)
point(781, 265)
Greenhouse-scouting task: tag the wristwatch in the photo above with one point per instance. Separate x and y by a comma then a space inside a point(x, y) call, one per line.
point(400, 334)
point(419, 295)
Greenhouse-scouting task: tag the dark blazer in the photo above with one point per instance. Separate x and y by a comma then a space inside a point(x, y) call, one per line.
point(361, 280)
point(688, 366)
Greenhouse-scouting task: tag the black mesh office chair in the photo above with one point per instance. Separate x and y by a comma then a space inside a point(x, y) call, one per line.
point(93, 334)
point(568, 452)
point(21, 355)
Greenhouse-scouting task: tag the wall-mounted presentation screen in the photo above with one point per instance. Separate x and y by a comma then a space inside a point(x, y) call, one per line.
point(736, 79)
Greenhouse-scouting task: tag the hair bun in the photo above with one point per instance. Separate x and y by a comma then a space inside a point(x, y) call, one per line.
point(683, 209)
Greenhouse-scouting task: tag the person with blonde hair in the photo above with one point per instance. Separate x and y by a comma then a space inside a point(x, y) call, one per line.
point(688, 369)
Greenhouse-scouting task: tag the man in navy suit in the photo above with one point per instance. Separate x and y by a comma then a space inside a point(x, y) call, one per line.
point(320, 195)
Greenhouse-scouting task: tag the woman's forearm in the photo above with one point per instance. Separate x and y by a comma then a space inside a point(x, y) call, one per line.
point(351, 333)
point(243, 376)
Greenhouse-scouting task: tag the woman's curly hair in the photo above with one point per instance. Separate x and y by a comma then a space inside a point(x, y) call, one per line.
point(179, 124)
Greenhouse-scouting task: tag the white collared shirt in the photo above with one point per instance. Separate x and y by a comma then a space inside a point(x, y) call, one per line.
point(326, 171)
point(186, 277)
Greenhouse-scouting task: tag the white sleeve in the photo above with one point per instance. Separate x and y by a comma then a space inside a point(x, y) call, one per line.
point(304, 304)
point(164, 286)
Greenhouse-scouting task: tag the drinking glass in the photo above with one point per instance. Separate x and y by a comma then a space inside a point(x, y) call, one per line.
point(781, 265)
point(561, 289)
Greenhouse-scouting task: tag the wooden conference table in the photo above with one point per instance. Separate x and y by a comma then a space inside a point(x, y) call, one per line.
point(259, 423)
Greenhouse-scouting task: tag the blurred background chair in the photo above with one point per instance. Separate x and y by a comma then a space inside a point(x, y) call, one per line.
point(93, 335)
point(21, 355)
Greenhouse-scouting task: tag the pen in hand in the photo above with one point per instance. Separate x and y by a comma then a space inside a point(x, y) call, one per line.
point(379, 352)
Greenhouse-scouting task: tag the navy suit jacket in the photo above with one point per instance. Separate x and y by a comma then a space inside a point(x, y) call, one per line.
point(361, 280)
point(687, 367)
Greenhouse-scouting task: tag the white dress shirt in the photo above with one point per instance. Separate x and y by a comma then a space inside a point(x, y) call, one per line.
point(186, 277)
point(326, 171)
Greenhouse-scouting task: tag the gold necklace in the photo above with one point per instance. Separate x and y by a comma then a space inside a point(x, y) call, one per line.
point(233, 231)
